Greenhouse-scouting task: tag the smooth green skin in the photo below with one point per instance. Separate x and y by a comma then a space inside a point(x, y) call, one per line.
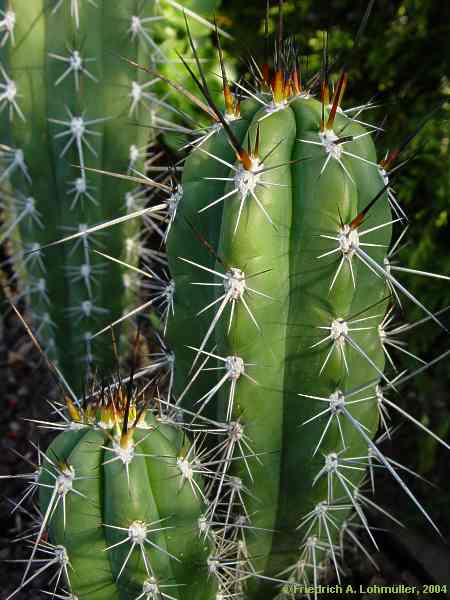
point(155, 492)
point(103, 36)
point(272, 412)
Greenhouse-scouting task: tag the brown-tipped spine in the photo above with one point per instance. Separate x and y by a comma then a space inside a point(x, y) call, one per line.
point(337, 98)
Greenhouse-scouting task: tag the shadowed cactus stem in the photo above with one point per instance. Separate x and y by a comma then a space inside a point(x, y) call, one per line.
point(70, 104)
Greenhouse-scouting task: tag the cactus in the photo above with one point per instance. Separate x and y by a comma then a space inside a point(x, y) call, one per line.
point(280, 330)
point(292, 329)
point(72, 105)
point(275, 325)
point(114, 481)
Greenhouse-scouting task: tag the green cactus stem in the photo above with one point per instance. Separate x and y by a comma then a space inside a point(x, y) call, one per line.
point(281, 291)
point(121, 506)
point(70, 104)
point(74, 108)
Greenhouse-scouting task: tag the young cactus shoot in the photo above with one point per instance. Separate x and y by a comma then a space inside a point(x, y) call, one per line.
point(235, 463)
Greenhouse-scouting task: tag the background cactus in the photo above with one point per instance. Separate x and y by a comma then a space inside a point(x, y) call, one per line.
point(280, 253)
point(69, 102)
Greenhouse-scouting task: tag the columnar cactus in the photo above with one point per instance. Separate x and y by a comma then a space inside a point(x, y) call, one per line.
point(68, 102)
point(282, 283)
point(295, 307)
point(276, 322)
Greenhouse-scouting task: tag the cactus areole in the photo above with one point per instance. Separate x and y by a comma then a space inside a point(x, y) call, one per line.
point(288, 295)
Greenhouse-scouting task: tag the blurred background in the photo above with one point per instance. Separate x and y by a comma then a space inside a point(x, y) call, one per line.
point(402, 64)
